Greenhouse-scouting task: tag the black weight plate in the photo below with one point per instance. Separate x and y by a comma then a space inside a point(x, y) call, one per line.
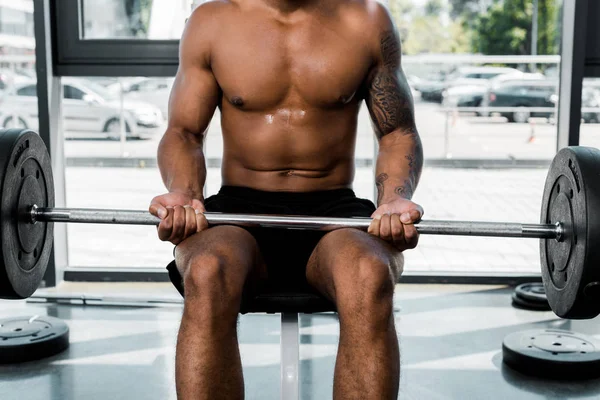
point(31, 338)
point(25, 180)
point(571, 267)
point(525, 304)
point(533, 292)
point(552, 353)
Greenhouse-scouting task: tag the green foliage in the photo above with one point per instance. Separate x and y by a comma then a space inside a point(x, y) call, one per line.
point(494, 27)
point(138, 12)
point(434, 7)
point(426, 34)
point(506, 28)
point(464, 8)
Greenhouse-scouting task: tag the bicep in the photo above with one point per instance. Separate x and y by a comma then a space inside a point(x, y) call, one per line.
point(195, 92)
point(388, 95)
point(193, 99)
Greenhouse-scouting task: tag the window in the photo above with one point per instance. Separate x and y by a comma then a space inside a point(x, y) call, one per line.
point(134, 19)
point(488, 76)
point(467, 154)
point(118, 37)
point(15, 21)
point(148, 85)
point(30, 90)
point(73, 93)
point(590, 114)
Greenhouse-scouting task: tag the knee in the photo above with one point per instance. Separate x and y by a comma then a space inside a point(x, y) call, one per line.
point(209, 276)
point(369, 286)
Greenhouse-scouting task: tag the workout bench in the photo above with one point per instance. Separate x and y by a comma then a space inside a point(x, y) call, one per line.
point(289, 305)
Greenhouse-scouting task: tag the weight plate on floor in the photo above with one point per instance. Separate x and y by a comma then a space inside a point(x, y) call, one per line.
point(25, 180)
point(31, 338)
point(552, 353)
point(571, 266)
point(533, 292)
point(525, 304)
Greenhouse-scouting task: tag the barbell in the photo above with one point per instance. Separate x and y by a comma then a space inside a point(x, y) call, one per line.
point(569, 230)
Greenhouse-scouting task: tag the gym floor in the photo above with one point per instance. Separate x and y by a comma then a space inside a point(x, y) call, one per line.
point(451, 338)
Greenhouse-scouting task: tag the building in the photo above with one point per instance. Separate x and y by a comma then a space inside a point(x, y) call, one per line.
point(16, 27)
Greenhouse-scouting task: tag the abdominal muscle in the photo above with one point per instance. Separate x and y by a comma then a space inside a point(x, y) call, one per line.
point(289, 149)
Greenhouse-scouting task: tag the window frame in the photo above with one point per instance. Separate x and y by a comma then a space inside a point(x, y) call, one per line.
point(76, 56)
point(20, 92)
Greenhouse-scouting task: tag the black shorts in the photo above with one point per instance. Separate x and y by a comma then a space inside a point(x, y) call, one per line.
point(285, 251)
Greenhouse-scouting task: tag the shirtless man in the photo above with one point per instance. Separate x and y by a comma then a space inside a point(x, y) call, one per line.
point(289, 77)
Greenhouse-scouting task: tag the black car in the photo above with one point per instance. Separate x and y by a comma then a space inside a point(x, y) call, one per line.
point(526, 94)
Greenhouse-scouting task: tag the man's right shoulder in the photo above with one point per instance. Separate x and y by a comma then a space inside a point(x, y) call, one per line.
point(205, 22)
point(211, 10)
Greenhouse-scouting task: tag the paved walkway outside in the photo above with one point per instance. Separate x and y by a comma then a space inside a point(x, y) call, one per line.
point(456, 194)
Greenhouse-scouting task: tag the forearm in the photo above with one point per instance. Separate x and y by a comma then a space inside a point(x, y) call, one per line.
point(399, 165)
point(181, 162)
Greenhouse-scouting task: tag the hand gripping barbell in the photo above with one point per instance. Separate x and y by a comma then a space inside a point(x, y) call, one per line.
point(569, 231)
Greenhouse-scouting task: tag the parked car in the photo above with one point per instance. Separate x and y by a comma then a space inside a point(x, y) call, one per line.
point(523, 93)
point(432, 90)
point(471, 95)
point(87, 107)
point(590, 98)
point(9, 78)
point(153, 90)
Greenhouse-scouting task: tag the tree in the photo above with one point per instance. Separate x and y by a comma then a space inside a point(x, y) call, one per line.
point(401, 12)
point(400, 9)
point(425, 30)
point(434, 7)
point(426, 34)
point(138, 13)
point(468, 8)
point(506, 28)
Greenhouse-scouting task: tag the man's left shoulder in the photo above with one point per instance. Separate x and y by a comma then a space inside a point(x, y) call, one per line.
point(370, 16)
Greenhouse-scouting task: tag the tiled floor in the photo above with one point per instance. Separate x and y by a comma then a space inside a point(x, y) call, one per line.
point(450, 341)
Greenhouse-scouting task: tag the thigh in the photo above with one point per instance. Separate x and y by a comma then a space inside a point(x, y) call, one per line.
point(336, 258)
point(237, 248)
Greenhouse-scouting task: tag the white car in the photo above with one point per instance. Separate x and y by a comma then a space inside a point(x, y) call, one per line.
point(433, 90)
point(471, 94)
point(152, 90)
point(87, 108)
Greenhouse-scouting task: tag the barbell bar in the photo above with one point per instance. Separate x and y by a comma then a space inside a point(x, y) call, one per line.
point(131, 217)
point(568, 232)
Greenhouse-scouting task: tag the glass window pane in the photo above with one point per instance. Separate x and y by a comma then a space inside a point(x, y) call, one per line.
point(94, 135)
point(18, 95)
point(473, 153)
point(135, 19)
point(590, 113)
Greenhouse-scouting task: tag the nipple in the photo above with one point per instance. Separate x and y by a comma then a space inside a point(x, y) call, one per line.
point(237, 101)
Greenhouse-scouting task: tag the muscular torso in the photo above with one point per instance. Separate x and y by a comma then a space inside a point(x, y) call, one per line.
point(290, 95)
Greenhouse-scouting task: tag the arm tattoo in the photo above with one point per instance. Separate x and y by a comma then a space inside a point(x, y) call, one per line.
point(379, 183)
point(390, 50)
point(388, 97)
point(415, 163)
point(406, 190)
point(390, 105)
